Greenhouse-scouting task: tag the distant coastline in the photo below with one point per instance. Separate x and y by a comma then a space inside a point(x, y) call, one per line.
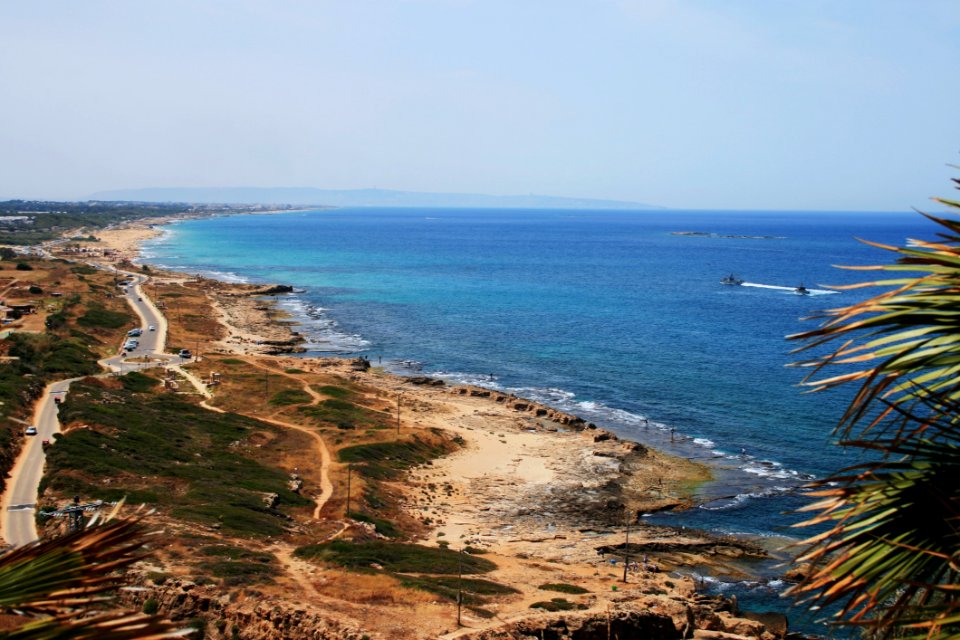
point(305, 196)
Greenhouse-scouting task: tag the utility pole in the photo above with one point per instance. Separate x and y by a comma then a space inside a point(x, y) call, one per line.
point(459, 585)
point(626, 550)
point(399, 395)
point(349, 473)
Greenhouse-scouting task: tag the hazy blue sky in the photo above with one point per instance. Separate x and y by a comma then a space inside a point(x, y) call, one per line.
point(799, 104)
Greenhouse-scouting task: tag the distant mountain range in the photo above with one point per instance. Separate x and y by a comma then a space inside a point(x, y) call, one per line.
point(356, 198)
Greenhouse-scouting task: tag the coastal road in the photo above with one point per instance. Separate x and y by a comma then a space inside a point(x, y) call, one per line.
point(18, 522)
point(152, 343)
point(19, 501)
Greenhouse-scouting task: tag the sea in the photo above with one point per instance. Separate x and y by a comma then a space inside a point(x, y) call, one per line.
point(616, 316)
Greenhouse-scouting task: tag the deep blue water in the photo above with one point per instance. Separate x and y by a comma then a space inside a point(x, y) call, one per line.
point(606, 314)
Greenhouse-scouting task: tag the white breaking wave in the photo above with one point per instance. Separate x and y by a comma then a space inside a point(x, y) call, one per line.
point(321, 332)
point(647, 431)
point(815, 292)
point(722, 504)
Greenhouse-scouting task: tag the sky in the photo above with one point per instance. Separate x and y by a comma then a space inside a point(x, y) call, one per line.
point(716, 104)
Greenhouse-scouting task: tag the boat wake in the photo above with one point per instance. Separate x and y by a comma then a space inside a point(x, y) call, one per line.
point(813, 292)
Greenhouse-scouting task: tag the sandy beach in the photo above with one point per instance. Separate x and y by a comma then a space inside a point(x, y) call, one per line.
point(545, 494)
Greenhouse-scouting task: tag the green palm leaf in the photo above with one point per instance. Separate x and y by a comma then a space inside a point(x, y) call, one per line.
point(65, 586)
point(890, 559)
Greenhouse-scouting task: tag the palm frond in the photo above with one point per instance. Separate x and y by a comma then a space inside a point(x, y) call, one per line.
point(72, 570)
point(889, 560)
point(66, 586)
point(110, 626)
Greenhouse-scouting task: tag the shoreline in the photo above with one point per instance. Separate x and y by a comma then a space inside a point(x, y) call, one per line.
point(257, 325)
point(538, 489)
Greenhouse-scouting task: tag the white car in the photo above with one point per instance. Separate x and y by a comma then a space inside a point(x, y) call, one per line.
point(31, 431)
point(152, 328)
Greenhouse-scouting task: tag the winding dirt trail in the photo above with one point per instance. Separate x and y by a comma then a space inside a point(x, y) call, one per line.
point(326, 486)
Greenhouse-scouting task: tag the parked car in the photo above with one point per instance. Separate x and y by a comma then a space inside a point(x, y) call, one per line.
point(185, 353)
point(31, 431)
point(135, 332)
point(152, 328)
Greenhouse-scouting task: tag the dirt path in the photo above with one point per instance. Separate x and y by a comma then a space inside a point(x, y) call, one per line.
point(326, 487)
point(316, 397)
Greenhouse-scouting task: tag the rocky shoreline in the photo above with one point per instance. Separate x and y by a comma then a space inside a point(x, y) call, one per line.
point(538, 489)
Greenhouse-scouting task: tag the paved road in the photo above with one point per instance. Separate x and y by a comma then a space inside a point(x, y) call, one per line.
point(19, 501)
point(152, 343)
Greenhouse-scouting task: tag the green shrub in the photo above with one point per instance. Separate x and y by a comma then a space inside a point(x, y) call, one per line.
point(563, 588)
point(555, 604)
point(98, 317)
point(234, 573)
point(400, 557)
point(138, 382)
point(157, 577)
point(23, 266)
point(347, 415)
point(383, 527)
point(151, 606)
point(45, 355)
point(57, 320)
point(167, 440)
point(334, 392)
point(472, 589)
point(83, 269)
point(386, 460)
point(290, 396)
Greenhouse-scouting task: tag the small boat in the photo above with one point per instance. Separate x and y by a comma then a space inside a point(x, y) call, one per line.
point(731, 279)
point(801, 290)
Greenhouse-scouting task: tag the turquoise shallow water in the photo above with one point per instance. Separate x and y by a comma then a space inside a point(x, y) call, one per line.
point(605, 314)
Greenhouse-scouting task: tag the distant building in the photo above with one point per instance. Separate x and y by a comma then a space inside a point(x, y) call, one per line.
point(21, 307)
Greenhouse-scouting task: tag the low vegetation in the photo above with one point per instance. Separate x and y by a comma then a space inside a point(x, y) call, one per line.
point(387, 460)
point(138, 382)
point(472, 590)
point(557, 604)
point(48, 356)
point(563, 588)
point(98, 317)
point(398, 557)
point(382, 526)
point(289, 397)
point(347, 415)
point(161, 450)
point(334, 392)
point(236, 566)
